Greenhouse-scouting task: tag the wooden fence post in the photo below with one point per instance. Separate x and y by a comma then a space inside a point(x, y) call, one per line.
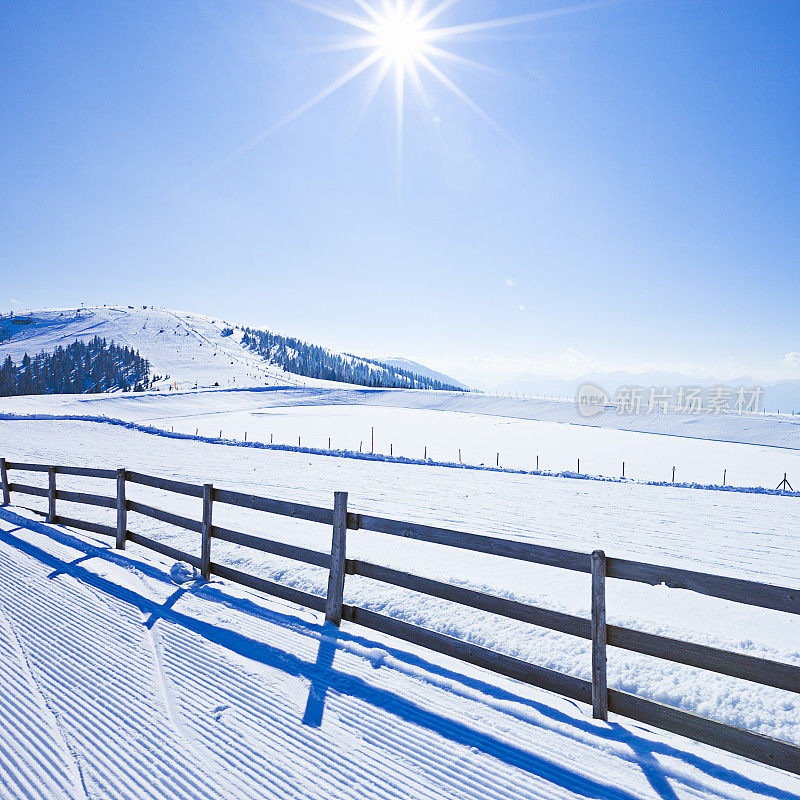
point(205, 554)
point(122, 511)
point(4, 479)
point(51, 495)
point(335, 598)
point(599, 682)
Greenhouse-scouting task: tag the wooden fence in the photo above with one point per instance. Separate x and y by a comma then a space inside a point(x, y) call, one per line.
point(600, 567)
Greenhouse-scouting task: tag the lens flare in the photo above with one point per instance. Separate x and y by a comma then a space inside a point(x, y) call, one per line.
point(400, 36)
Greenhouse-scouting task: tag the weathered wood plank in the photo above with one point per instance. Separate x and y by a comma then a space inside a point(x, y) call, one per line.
point(4, 482)
point(280, 507)
point(335, 596)
point(165, 484)
point(86, 499)
point(726, 737)
point(164, 549)
point(567, 685)
point(88, 472)
point(92, 527)
point(23, 466)
point(737, 665)
point(164, 516)
point(269, 546)
point(542, 617)
point(205, 529)
point(538, 554)
point(312, 601)
point(24, 488)
point(599, 677)
point(736, 589)
point(51, 495)
point(122, 511)
point(724, 662)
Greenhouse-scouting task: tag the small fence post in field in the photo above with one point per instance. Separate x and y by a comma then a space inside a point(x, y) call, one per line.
point(335, 598)
point(623, 469)
point(122, 511)
point(51, 495)
point(4, 479)
point(205, 551)
point(673, 474)
point(599, 681)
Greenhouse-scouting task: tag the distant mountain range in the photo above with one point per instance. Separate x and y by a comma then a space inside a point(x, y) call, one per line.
point(781, 395)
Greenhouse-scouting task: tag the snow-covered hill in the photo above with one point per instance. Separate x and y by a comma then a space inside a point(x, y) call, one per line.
point(185, 350)
point(189, 348)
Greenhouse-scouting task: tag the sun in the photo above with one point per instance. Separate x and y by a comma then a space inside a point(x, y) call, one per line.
point(405, 38)
point(400, 36)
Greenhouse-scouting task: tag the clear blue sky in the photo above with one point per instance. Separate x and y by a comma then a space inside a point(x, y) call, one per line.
point(649, 212)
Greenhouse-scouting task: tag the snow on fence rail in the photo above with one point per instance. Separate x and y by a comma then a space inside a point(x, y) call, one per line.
point(595, 692)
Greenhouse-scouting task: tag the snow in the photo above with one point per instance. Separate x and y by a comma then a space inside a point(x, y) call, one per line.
point(129, 677)
point(123, 686)
point(189, 348)
point(437, 425)
point(741, 535)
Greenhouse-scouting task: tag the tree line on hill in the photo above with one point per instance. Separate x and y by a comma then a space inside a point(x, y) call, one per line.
point(79, 368)
point(312, 361)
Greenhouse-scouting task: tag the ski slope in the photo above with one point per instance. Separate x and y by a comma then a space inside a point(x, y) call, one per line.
point(126, 679)
point(189, 348)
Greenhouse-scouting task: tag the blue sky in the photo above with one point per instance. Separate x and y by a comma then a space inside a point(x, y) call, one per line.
point(645, 214)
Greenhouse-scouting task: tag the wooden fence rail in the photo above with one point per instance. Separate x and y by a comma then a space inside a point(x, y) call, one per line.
point(601, 568)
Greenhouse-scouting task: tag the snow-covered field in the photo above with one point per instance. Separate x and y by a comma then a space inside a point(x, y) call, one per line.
point(742, 535)
point(127, 680)
point(398, 422)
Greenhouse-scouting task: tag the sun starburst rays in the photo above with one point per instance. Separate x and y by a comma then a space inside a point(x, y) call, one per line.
point(400, 37)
